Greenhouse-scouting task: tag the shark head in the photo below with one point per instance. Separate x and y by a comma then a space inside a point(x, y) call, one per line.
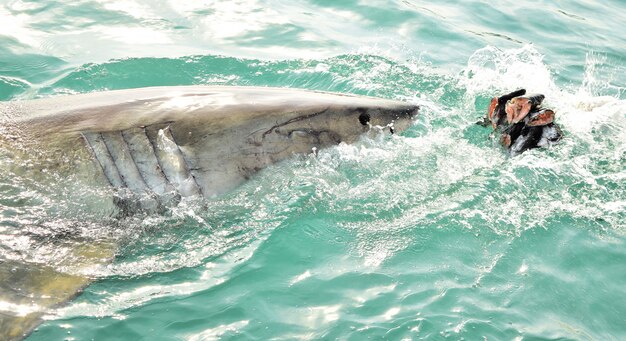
point(304, 130)
point(265, 126)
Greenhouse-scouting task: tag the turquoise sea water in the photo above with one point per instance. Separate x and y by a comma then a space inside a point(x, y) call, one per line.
point(435, 234)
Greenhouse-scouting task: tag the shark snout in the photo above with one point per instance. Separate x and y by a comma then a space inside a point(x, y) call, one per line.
point(410, 111)
point(399, 118)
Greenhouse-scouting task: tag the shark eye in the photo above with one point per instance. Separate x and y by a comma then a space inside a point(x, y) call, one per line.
point(364, 118)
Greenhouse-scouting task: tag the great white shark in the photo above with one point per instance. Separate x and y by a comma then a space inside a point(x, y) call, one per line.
point(157, 145)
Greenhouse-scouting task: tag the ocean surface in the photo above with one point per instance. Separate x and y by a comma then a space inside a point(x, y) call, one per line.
point(433, 234)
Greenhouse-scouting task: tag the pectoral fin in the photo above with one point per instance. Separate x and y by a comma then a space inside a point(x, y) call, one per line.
point(28, 291)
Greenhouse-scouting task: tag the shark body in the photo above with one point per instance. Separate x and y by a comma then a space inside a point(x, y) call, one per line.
point(198, 139)
point(161, 144)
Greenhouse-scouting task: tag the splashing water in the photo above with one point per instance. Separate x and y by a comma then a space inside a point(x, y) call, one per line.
point(433, 234)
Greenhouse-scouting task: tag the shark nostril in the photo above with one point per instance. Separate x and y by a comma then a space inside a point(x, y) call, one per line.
point(364, 118)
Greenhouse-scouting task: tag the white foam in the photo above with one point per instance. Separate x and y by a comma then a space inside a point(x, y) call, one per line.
point(492, 72)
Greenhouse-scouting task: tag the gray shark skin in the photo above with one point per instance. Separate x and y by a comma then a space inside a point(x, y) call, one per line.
point(161, 144)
